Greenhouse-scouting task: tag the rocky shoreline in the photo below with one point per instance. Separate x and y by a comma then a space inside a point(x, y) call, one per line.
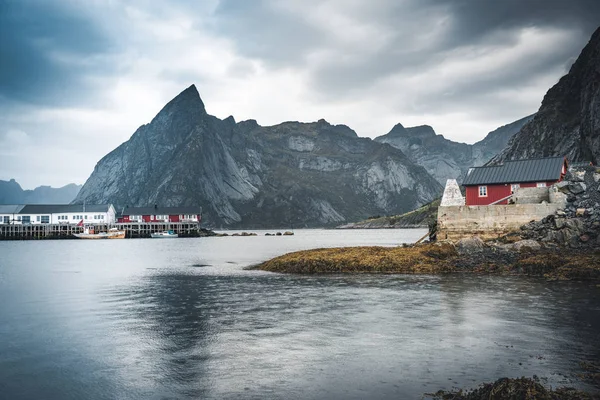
point(515, 388)
point(565, 245)
point(470, 255)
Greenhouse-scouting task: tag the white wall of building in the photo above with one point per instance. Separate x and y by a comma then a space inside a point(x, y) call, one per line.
point(73, 218)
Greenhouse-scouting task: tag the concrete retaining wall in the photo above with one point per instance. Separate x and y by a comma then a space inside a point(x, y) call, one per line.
point(489, 221)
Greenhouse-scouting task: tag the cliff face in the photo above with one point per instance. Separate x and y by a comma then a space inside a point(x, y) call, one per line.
point(443, 158)
point(246, 175)
point(568, 122)
point(12, 193)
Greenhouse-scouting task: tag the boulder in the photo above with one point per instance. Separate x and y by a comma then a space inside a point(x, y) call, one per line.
point(469, 245)
point(574, 224)
point(577, 176)
point(288, 233)
point(522, 244)
point(562, 186)
point(559, 223)
point(577, 188)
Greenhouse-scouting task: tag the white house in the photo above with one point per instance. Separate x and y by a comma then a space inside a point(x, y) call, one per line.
point(62, 214)
point(9, 212)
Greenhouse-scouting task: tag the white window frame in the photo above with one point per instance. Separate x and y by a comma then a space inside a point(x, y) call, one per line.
point(484, 191)
point(514, 187)
point(541, 184)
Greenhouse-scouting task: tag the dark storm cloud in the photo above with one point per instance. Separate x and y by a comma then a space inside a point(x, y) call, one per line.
point(34, 36)
point(476, 19)
point(283, 38)
point(263, 29)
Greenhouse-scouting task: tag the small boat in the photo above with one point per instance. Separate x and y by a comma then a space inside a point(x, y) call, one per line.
point(113, 233)
point(164, 235)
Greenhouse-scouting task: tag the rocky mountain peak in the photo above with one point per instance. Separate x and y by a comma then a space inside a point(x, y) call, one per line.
point(246, 175)
point(443, 158)
point(397, 130)
point(421, 131)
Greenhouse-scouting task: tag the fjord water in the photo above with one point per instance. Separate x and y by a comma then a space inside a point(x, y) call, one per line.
point(183, 319)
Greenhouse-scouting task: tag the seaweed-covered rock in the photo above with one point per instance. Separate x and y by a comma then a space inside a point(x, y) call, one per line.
point(470, 245)
point(514, 389)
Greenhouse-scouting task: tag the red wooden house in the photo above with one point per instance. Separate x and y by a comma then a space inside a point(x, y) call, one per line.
point(486, 185)
point(160, 214)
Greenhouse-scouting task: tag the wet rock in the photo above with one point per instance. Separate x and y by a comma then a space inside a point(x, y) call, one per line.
point(577, 187)
point(584, 238)
point(513, 388)
point(470, 245)
point(559, 223)
point(577, 176)
point(574, 224)
point(524, 244)
point(562, 186)
point(288, 233)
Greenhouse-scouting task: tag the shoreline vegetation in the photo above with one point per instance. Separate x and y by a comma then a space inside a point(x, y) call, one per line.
point(513, 388)
point(470, 255)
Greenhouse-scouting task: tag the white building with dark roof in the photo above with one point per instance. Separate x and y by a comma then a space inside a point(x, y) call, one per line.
point(58, 214)
point(9, 212)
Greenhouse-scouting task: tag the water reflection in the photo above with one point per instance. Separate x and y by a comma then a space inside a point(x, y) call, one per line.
point(137, 320)
point(344, 337)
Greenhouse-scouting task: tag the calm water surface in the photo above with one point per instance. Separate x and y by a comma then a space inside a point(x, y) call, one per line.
point(182, 319)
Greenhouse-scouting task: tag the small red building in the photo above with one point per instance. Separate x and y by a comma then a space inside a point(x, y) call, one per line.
point(160, 214)
point(486, 185)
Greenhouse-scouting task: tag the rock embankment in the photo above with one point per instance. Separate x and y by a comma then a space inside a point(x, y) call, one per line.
point(578, 225)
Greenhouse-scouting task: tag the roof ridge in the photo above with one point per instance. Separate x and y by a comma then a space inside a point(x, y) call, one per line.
point(532, 159)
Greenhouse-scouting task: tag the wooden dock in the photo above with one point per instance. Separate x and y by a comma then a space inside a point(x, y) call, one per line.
point(67, 231)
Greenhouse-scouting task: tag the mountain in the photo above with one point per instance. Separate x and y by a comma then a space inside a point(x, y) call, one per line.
point(443, 158)
point(12, 193)
point(247, 175)
point(422, 217)
point(568, 121)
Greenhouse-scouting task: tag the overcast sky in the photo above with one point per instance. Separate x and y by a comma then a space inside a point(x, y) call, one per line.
point(78, 77)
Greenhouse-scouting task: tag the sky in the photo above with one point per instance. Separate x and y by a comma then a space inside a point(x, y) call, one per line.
point(78, 77)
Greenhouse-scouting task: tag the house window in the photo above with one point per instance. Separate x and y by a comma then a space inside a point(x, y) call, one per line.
point(6, 219)
point(514, 187)
point(541, 184)
point(45, 219)
point(482, 191)
point(26, 219)
point(37, 218)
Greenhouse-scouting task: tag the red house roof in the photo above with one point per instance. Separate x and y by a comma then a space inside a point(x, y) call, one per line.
point(518, 171)
point(157, 210)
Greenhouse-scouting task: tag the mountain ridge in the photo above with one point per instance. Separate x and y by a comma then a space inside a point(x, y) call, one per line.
point(446, 159)
point(12, 193)
point(568, 121)
point(246, 175)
